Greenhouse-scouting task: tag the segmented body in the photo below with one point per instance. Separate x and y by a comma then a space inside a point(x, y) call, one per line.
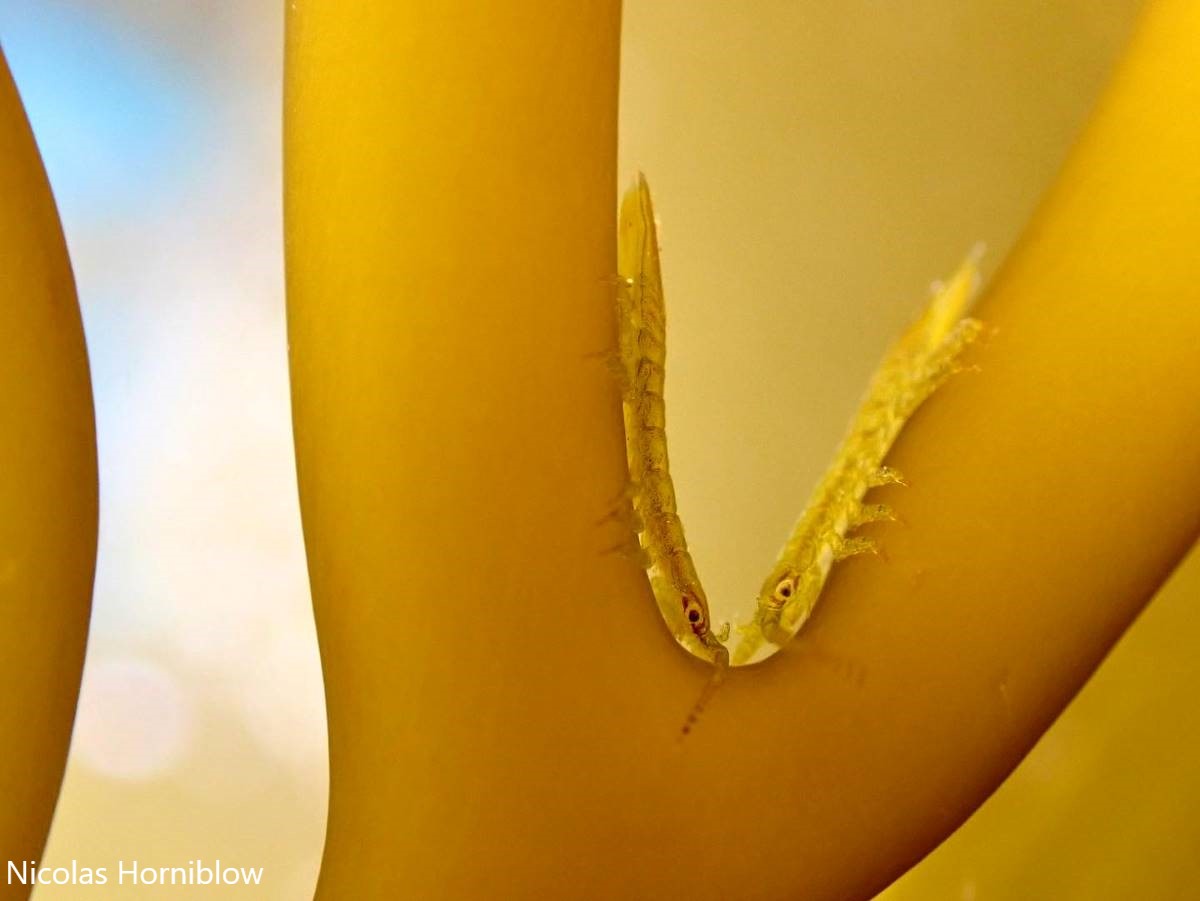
point(924, 357)
point(913, 368)
point(642, 341)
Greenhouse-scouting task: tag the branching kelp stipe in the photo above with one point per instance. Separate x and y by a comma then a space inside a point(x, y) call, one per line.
point(921, 360)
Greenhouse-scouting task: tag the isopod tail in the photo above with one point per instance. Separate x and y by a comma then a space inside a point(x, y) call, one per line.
point(952, 299)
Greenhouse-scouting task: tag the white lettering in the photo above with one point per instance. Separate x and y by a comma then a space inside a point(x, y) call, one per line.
point(131, 872)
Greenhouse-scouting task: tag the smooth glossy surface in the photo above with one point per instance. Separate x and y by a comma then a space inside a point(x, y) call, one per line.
point(503, 704)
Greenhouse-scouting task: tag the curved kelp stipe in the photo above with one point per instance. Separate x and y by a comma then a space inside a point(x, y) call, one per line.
point(915, 366)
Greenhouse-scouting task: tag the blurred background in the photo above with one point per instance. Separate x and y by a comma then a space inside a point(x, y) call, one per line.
point(201, 727)
point(816, 164)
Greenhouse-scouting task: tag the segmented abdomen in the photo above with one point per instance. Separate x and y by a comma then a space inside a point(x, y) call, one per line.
point(642, 338)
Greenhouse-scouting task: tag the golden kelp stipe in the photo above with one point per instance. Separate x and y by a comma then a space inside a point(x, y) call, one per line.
point(916, 365)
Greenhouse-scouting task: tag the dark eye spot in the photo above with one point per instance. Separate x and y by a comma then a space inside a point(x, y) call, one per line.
point(693, 616)
point(784, 590)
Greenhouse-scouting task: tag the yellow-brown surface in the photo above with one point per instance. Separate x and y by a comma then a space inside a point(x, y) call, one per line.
point(503, 701)
point(48, 494)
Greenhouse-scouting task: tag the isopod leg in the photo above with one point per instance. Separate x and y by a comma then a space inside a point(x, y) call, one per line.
point(868, 513)
point(885, 475)
point(852, 547)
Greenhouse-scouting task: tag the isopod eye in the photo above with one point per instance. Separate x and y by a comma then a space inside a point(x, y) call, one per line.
point(691, 609)
point(784, 590)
